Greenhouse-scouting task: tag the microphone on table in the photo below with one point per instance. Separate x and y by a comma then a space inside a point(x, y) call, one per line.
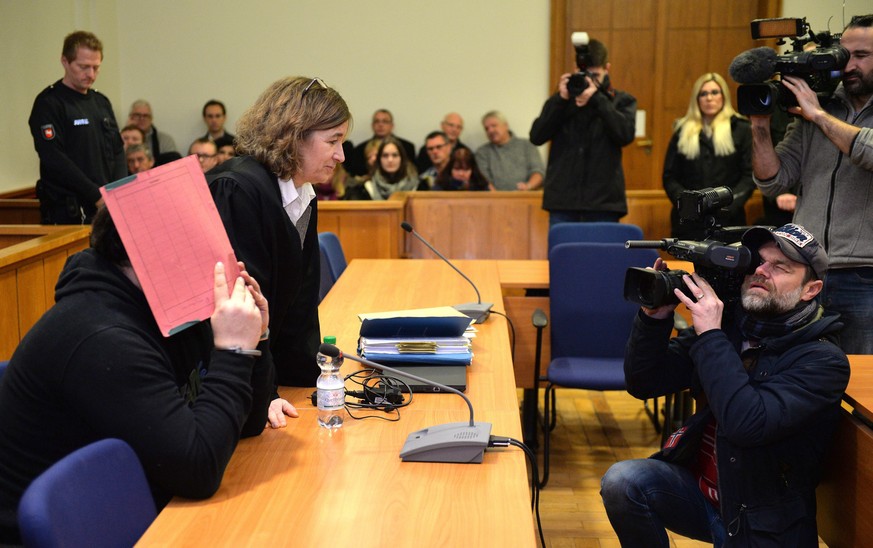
point(458, 442)
point(753, 66)
point(478, 311)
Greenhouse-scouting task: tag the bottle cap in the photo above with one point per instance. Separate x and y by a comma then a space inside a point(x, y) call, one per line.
point(329, 340)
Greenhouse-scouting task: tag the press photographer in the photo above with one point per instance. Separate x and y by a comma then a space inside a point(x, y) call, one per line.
point(719, 258)
point(819, 66)
point(828, 154)
point(767, 379)
point(588, 123)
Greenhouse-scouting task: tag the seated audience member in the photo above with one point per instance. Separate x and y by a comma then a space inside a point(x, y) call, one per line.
point(354, 189)
point(768, 378)
point(214, 116)
point(508, 162)
point(132, 135)
point(383, 127)
point(335, 188)
point(394, 172)
point(206, 153)
point(157, 141)
point(438, 149)
point(462, 173)
point(452, 125)
point(139, 159)
point(225, 151)
point(96, 366)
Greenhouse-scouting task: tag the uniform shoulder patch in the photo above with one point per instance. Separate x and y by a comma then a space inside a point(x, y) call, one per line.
point(48, 132)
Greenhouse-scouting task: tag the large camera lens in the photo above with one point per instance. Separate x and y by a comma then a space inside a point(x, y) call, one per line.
point(653, 288)
point(577, 84)
point(757, 99)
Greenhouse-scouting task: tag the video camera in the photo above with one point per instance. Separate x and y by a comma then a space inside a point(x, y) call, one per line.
point(723, 265)
point(577, 82)
point(754, 69)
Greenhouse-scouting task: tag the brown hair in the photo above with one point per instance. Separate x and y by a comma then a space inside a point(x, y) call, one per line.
point(272, 129)
point(80, 39)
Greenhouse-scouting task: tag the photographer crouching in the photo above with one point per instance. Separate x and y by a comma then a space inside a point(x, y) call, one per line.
point(767, 379)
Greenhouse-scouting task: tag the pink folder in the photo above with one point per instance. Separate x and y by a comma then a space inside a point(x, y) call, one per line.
point(173, 235)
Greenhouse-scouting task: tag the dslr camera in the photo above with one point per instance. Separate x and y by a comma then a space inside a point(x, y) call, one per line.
point(577, 82)
point(821, 67)
point(719, 258)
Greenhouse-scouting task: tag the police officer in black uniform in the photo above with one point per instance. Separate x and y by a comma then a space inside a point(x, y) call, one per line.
point(76, 136)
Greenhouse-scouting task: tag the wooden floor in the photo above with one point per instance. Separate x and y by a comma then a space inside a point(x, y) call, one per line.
point(594, 430)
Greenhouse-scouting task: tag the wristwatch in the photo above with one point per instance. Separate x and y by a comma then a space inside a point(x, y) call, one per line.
point(240, 350)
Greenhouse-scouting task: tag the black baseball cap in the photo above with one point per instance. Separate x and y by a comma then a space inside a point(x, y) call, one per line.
point(795, 241)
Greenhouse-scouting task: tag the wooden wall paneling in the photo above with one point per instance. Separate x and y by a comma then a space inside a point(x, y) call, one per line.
point(32, 302)
point(430, 219)
point(687, 13)
point(521, 309)
point(845, 519)
point(471, 229)
point(9, 332)
point(19, 211)
point(366, 229)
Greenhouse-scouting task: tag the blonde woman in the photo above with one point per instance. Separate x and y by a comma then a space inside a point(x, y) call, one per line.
point(711, 147)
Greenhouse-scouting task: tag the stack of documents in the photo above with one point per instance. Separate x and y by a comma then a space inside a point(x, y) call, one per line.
point(425, 336)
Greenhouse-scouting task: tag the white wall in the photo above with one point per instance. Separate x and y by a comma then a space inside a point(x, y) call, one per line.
point(418, 59)
point(818, 12)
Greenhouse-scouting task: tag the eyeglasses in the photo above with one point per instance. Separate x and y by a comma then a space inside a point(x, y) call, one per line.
point(435, 147)
point(203, 156)
point(140, 115)
point(315, 80)
point(704, 94)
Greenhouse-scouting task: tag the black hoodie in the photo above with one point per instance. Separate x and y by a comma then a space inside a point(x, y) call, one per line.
point(96, 366)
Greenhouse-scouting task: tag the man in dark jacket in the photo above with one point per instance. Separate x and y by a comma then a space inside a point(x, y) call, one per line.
point(584, 178)
point(76, 136)
point(96, 366)
point(768, 379)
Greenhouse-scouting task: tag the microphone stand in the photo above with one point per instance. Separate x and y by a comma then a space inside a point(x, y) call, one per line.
point(456, 442)
point(478, 311)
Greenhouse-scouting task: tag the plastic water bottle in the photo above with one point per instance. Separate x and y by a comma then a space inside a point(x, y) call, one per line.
point(331, 390)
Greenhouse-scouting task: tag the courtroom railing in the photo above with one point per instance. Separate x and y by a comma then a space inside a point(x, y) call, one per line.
point(31, 259)
point(462, 225)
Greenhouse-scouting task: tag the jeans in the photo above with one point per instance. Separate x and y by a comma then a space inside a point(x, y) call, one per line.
point(566, 216)
point(644, 497)
point(849, 291)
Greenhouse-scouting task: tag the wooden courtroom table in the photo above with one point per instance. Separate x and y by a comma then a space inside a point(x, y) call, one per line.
point(305, 486)
point(845, 494)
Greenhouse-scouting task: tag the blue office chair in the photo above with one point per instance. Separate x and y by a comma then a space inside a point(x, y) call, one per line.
point(3, 365)
point(333, 261)
point(563, 233)
point(590, 322)
point(95, 496)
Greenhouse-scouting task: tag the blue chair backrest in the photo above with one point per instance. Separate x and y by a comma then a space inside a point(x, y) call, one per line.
point(333, 261)
point(95, 496)
point(3, 365)
point(563, 233)
point(589, 315)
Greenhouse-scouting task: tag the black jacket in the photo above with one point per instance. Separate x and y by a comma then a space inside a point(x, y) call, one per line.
point(80, 150)
point(96, 366)
point(774, 422)
point(250, 204)
point(708, 171)
point(584, 171)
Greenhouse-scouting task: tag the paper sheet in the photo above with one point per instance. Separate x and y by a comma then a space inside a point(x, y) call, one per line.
point(173, 235)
